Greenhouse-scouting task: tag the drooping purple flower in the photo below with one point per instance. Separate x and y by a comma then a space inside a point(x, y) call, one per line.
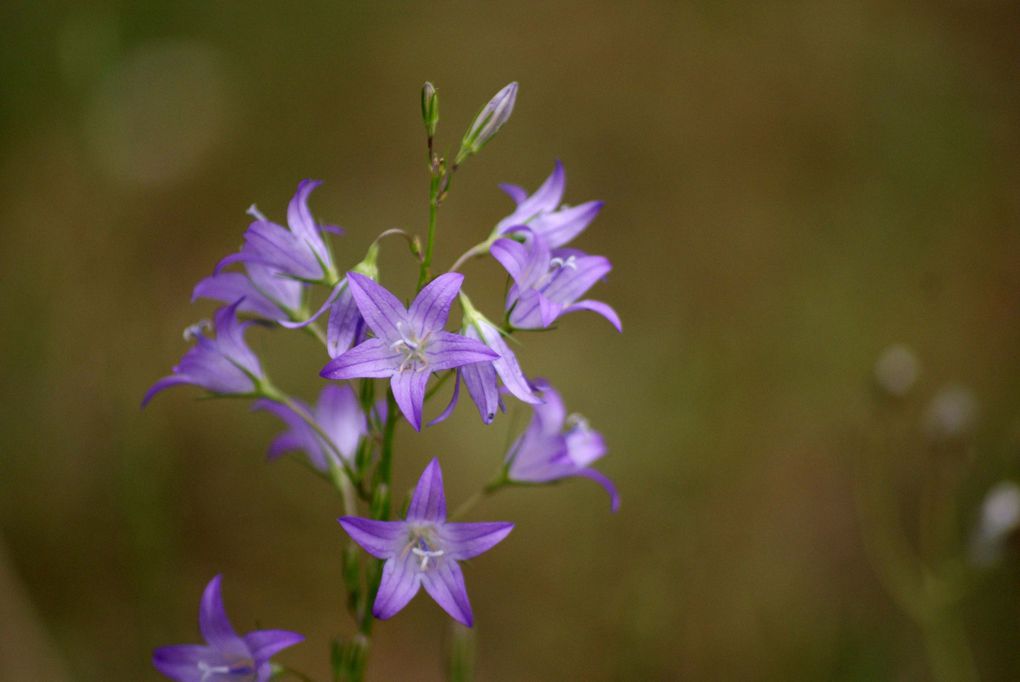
point(542, 212)
point(423, 550)
point(223, 365)
point(549, 282)
point(548, 452)
point(299, 252)
point(409, 344)
point(337, 413)
point(226, 655)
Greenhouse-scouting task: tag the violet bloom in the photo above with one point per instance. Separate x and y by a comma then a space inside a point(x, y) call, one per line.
point(337, 413)
point(223, 365)
point(543, 214)
point(226, 655)
point(547, 452)
point(423, 550)
point(409, 344)
point(548, 283)
point(299, 252)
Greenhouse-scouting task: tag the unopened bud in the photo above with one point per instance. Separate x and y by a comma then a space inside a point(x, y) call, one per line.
point(429, 108)
point(488, 121)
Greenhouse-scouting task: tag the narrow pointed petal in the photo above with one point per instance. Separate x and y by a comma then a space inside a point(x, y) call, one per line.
point(600, 308)
point(381, 539)
point(264, 644)
point(445, 584)
point(598, 477)
point(448, 350)
point(181, 662)
point(381, 309)
point(467, 540)
point(409, 392)
point(431, 307)
point(346, 326)
point(429, 501)
point(213, 622)
point(448, 410)
point(372, 359)
point(562, 226)
point(400, 582)
point(480, 378)
point(515, 192)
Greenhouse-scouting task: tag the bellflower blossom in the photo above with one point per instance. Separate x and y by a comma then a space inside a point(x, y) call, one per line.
point(547, 452)
point(226, 655)
point(223, 365)
point(337, 413)
point(299, 252)
point(423, 550)
point(409, 343)
point(542, 212)
point(549, 282)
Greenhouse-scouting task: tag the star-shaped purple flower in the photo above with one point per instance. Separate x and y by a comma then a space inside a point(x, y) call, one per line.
point(547, 452)
point(423, 550)
point(549, 282)
point(337, 413)
point(226, 655)
point(409, 344)
point(223, 365)
point(542, 212)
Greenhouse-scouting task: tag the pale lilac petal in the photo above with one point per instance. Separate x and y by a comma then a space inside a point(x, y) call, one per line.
point(598, 477)
point(381, 539)
point(466, 540)
point(409, 392)
point(480, 378)
point(181, 662)
point(598, 307)
point(400, 582)
point(346, 326)
point(213, 622)
point(448, 410)
point(447, 350)
point(372, 359)
point(561, 226)
point(515, 192)
point(264, 644)
point(428, 502)
point(445, 584)
point(506, 365)
point(339, 413)
point(381, 309)
point(431, 307)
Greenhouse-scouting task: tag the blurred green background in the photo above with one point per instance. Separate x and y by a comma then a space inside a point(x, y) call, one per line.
point(790, 187)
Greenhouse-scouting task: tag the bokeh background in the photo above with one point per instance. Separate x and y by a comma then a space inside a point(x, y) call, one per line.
point(790, 187)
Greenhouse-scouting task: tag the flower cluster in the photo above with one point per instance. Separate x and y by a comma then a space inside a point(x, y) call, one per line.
point(287, 278)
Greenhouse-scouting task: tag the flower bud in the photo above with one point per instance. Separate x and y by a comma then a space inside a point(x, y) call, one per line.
point(488, 121)
point(429, 108)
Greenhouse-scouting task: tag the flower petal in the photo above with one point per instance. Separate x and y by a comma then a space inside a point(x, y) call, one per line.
point(400, 582)
point(381, 309)
point(429, 501)
point(431, 307)
point(181, 662)
point(445, 584)
point(381, 539)
point(373, 359)
point(264, 644)
point(213, 621)
point(466, 540)
point(409, 392)
point(447, 350)
point(598, 307)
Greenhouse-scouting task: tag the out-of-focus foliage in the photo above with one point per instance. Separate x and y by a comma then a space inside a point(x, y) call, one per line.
point(790, 188)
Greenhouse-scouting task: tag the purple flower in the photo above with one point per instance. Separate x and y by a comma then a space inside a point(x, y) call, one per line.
point(337, 413)
point(223, 365)
point(542, 213)
point(299, 252)
point(409, 344)
point(226, 655)
point(547, 452)
point(548, 283)
point(424, 549)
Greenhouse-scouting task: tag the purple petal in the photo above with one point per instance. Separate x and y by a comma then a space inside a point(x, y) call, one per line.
point(381, 309)
point(598, 477)
point(381, 539)
point(181, 662)
point(264, 644)
point(431, 307)
point(466, 540)
point(515, 192)
point(372, 359)
point(603, 309)
point(428, 502)
point(448, 410)
point(346, 326)
point(400, 582)
point(409, 392)
point(447, 350)
point(560, 227)
point(445, 584)
point(480, 378)
point(213, 622)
